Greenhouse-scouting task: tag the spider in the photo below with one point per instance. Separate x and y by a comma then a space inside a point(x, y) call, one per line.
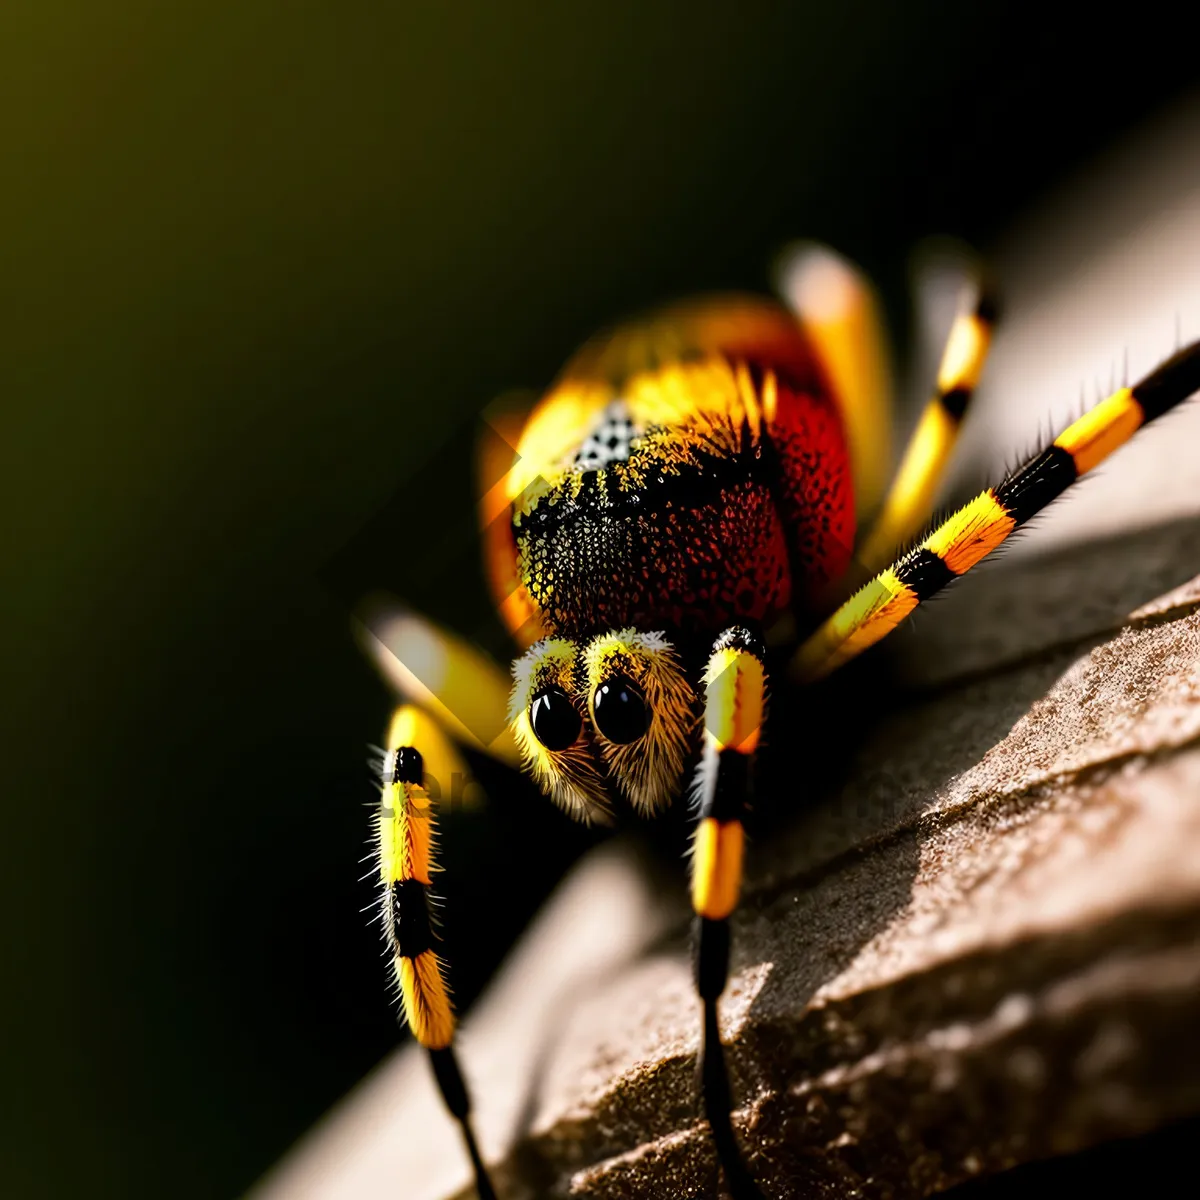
point(683, 500)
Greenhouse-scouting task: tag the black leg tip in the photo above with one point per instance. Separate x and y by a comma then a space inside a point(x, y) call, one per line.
point(714, 1082)
point(483, 1182)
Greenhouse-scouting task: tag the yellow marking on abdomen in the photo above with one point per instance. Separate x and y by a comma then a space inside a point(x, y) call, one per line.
point(717, 867)
point(1098, 433)
point(426, 1001)
point(970, 534)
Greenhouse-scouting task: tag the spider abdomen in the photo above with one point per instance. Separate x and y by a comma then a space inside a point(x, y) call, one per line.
point(705, 484)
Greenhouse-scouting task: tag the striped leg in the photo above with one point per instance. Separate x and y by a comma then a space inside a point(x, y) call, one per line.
point(973, 532)
point(462, 691)
point(735, 688)
point(910, 498)
point(841, 317)
point(406, 830)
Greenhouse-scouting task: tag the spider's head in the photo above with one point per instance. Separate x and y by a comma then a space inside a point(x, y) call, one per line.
point(618, 708)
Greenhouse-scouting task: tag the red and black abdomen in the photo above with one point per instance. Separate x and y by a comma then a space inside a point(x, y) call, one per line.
point(814, 490)
point(705, 490)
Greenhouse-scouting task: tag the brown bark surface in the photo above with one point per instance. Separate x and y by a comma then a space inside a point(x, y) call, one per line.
point(985, 950)
point(982, 949)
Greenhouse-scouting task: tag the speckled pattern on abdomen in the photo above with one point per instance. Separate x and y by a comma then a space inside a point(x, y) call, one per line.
point(728, 532)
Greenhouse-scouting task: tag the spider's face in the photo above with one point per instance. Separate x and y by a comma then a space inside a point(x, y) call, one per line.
point(618, 709)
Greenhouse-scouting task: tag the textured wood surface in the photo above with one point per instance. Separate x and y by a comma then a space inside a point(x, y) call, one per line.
point(940, 972)
point(983, 949)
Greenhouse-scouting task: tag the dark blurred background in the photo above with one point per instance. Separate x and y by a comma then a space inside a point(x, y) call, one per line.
point(259, 267)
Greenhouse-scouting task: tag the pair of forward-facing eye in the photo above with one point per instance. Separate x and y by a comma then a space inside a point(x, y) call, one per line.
point(618, 708)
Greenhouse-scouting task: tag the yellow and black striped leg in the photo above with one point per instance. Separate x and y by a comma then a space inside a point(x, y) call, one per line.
point(910, 498)
point(406, 828)
point(842, 319)
point(735, 688)
point(973, 532)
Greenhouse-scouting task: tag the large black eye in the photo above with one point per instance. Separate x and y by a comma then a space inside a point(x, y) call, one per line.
point(555, 720)
point(621, 712)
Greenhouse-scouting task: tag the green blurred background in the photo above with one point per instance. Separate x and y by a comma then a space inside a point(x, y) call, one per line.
point(259, 265)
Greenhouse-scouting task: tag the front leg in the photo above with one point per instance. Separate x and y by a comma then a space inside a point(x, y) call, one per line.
point(406, 829)
point(735, 691)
